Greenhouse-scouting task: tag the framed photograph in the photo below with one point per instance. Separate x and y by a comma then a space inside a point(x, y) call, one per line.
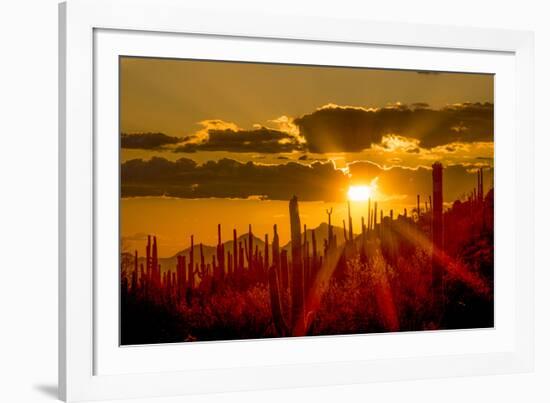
point(263, 201)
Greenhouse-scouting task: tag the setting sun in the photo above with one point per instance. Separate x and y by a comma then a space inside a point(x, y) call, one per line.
point(359, 192)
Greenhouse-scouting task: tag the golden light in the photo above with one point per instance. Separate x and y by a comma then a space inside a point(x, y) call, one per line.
point(359, 192)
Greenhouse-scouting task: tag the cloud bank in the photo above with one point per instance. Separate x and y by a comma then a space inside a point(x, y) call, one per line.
point(350, 129)
point(335, 129)
point(318, 181)
point(262, 140)
point(232, 179)
point(147, 141)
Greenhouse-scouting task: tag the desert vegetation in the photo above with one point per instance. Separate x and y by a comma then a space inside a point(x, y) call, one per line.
point(429, 268)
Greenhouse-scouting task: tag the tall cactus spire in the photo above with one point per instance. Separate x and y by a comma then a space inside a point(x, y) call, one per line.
point(314, 251)
point(363, 232)
point(345, 231)
point(437, 233)
point(266, 252)
point(350, 226)
point(191, 270)
point(374, 218)
point(136, 262)
point(330, 232)
point(250, 247)
point(275, 300)
point(220, 254)
point(478, 187)
point(135, 272)
point(275, 249)
point(203, 265)
point(437, 183)
point(297, 310)
point(155, 262)
point(148, 258)
point(481, 193)
point(235, 252)
point(369, 218)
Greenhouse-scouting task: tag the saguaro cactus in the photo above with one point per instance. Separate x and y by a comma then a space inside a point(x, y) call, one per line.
point(275, 250)
point(168, 284)
point(368, 216)
point(437, 231)
point(363, 238)
point(266, 252)
point(142, 279)
point(203, 265)
point(250, 248)
point(148, 258)
point(284, 270)
point(241, 258)
point(478, 187)
point(482, 199)
point(155, 262)
point(437, 225)
point(235, 252)
point(345, 231)
point(229, 264)
point(307, 267)
point(275, 299)
point(314, 263)
point(180, 279)
point(331, 240)
point(374, 218)
point(350, 227)
point(191, 270)
point(220, 255)
point(297, 307)
point(481, 184)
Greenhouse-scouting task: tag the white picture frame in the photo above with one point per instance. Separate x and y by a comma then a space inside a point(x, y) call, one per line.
point(83, 330)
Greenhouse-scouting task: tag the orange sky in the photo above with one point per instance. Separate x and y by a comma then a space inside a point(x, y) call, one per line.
point(338, 126)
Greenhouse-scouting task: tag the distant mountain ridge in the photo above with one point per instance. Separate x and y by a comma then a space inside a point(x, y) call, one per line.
point(321, 233)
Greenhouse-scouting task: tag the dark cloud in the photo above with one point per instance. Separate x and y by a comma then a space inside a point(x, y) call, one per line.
point(350, 129)
point(318, 181)
point(228, 178)
point(420, 105)
point(148, 141)
point(340, 129)
point(262, 140)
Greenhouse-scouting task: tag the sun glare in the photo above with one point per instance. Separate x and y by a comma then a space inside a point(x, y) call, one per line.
point(359, 192)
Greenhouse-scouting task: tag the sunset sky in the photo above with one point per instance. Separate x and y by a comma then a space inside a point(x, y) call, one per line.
point(204, 142)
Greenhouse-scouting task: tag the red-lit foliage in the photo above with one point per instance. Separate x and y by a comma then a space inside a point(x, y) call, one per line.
point(397, 275)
